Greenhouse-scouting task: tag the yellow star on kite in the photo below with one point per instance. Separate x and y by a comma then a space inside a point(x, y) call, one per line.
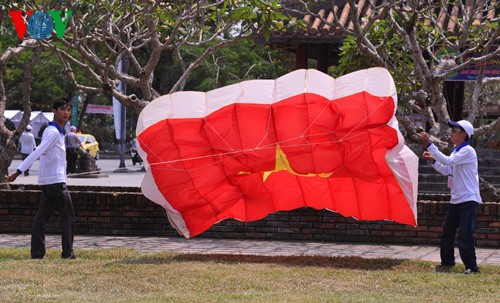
point(283, 164)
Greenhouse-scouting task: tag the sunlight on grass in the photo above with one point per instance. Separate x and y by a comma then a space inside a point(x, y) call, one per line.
point(120, 275)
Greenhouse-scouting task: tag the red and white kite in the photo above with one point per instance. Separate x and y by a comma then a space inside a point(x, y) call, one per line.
point(257, 147)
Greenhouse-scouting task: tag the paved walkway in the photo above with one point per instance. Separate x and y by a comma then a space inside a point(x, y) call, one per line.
point(251, 247)
point(224, 246)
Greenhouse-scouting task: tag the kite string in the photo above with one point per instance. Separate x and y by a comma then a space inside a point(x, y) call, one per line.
point(317, 117)
point(220, 155)
point(269, 146)
point(267, 127)
point(215, 131)
point(233, 150)
point(258, 147)
point(366, 118)
point(219, 160)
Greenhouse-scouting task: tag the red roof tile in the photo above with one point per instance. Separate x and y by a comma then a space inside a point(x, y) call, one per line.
point(320, 23)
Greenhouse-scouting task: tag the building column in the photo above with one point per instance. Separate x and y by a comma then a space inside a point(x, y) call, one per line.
point(301, 56)
point(454, 94)
point(323, 57)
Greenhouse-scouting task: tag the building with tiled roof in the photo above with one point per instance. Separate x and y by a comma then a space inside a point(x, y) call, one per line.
point(326, 24)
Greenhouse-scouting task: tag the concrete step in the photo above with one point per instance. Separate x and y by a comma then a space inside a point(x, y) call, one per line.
point(432, 196)
point(485, 162)
point(494, 153)
point(493, 179)
point(489, 171)
point(491, 162)
point(434, 187)
point(431, 178)
point(483, 170)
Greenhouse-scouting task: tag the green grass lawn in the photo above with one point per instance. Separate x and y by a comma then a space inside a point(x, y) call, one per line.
point(118, 275)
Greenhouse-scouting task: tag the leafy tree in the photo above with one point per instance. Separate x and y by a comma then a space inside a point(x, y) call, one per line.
point(404, 36)
point(243, 61)
point(149, 34)
point(152, 40)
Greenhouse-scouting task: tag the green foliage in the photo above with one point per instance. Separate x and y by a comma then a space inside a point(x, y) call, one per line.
point(243, 61)
point(48, 83)
point(390, 45)
point(350, 58)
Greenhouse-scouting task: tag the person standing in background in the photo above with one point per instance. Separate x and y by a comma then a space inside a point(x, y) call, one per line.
point(52, 180)
point(73, 144)
point(28, 145)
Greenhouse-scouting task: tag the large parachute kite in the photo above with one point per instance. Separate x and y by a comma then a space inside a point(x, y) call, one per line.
point(261, 146)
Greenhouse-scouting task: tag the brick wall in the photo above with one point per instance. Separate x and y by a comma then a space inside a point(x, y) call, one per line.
point(126, 212)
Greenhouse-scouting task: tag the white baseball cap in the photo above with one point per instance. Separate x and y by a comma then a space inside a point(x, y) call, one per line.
point(465, 125)
point(28, 128)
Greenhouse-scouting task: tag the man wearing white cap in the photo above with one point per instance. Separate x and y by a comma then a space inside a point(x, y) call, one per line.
point(463, 180)
point(28, 145)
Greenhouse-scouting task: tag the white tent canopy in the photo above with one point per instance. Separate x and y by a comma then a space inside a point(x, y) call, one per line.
point(48, 115)
point(10, 114)
point(38, 119)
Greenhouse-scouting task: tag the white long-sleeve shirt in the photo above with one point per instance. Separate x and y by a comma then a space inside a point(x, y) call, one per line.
point(52, 154)
point(27, 141)
point(461, 168)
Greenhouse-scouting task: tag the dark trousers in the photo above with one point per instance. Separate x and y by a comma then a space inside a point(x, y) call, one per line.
point(462, 217)
point(71, 158)
point(24, 156)
point(54, 196)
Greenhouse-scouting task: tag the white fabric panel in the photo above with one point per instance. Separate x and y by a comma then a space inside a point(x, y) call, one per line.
point(290, 85)
point(150, 191)
point(374, 79)
point(198, 104)
point(404, 166)
point(395, 124)
point(350, 84)
point(221, 97)
point(188, 105)
point(320, 84)
point(257, 92)
point(411, 163)
point(156, 111)
point(368, 80)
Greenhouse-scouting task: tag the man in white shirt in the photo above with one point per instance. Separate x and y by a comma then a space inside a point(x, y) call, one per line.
point(463, 180)
point(28, 145)
point(52, 179)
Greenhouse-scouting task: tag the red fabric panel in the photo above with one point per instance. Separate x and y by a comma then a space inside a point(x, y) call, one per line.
point(213, 168)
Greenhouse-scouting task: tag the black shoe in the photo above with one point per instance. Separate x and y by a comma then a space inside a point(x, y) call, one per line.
point(469, 271)
point(26, 173)
point(72, 257)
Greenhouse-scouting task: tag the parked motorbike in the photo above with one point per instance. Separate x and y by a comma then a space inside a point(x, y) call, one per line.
point(136, 158)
